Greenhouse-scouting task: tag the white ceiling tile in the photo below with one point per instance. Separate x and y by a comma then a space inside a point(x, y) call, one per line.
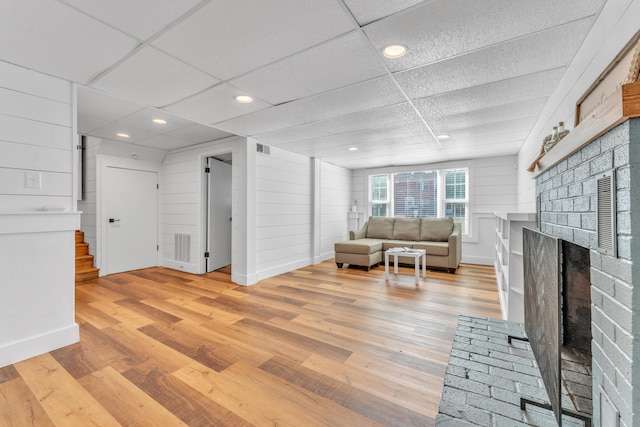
point(215, 105)
point(442, 29)
point(143, 119)
point(164, 142)
point(154, 78)
point(498, 62)
point(362, 96)
point(531, 86)
point(367, 11)
point(86, 124)
point(110, 130)
point(56, 39)
point(374, 118)
point(140, 18)
point(340, 62)
point(230, 38)
point(523, 124)
point(102, 106)
point(499, 113)
point(198, 133)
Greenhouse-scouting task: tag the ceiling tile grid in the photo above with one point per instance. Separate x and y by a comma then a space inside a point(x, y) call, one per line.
point(230, 38)
point(151, 77)
point(479, 71)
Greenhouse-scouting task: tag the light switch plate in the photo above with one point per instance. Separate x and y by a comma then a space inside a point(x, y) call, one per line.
point(33, 179)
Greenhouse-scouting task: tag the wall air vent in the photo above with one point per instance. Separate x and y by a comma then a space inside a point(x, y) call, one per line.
point(182, 248)
point(606, 213)
point(264, 149)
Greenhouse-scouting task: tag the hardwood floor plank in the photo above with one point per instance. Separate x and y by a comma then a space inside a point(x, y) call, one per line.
point(128, 404)
point(316, 346)
point(19, 407)
point(380, 410)
point(266, 400)
point(189, 405)
point(66, 402)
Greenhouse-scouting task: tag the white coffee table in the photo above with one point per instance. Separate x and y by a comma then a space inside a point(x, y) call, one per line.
point(415, 253)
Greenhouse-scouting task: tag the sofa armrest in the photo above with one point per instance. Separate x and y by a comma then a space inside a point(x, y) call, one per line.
point(359, 234)
point(455, 246)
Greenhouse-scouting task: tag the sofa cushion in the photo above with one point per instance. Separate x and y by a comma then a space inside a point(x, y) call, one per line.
point(360, 246)
point(380, 228)
point(433, 248)
point(388, 244)
point(406, 229)
point(436, 229)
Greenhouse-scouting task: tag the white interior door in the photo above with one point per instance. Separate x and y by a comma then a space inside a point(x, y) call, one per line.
point(219, 239)
point(132, 219)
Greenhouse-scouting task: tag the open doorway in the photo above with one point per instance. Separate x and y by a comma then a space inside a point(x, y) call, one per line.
point(218, 204)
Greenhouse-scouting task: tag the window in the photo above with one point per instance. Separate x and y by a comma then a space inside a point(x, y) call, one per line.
point(415, 194)
point(379, 195)
point(435, 193)
point(455, 196)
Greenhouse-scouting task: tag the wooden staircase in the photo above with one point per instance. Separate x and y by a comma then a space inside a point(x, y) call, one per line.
point(84, 261)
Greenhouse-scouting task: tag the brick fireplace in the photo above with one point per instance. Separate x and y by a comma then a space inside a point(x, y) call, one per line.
point(567, 210)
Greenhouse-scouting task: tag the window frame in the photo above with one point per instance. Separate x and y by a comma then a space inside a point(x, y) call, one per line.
point(440, 190)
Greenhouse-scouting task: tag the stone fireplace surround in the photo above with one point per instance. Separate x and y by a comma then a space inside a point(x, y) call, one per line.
point(567, 194)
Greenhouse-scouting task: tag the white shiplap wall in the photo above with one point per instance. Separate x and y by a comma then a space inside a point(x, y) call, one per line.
point(493, 188)
point(284, 224)
point(35, 137)
point(614, 27)
point(181, 187)
point(36, 247)
point(335, 202)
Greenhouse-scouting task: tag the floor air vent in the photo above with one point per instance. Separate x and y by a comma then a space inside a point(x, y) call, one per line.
point(606, 213)
point(182, 247)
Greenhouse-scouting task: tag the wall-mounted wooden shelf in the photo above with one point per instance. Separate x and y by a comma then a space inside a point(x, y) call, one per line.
point(622, 105)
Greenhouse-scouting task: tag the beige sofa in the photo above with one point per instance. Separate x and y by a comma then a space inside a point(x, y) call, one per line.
point(440, 237)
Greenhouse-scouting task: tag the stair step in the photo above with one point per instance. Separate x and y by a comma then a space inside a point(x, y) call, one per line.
point(82, 249)
point(79, 236)
point(84, 261)
point(87, 274)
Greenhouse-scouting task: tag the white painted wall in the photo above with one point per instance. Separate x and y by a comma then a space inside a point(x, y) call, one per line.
point(182, 189)
point(615, 26)
point(493, 188)
point(335, 202)
point(36, 246)
point(284, 216)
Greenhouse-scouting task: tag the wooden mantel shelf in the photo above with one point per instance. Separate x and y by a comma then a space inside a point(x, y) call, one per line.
point(622, 105)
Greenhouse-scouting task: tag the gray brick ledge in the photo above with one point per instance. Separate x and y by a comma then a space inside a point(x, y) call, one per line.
point(479, 390)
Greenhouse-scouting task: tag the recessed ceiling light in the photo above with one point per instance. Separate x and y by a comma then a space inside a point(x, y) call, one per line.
point(244, 99)
point(159, 121)
point(394, 51)
point(353, 148)
point(443, 136)
point(122, 135)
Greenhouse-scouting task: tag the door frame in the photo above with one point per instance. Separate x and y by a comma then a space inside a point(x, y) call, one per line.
point(102, 163)
point(218, 151)
point(207, 203)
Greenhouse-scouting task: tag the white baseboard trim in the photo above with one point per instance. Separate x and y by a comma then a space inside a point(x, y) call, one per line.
point(181, 266)
point(320, 258)
point(244, 279)
point(34, 346)
point(284, 268)
point(477, 260)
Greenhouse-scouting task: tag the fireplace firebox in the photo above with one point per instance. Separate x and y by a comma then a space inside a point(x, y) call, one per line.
point(558, 320)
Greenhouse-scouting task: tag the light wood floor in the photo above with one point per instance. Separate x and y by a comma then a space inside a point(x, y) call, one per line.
point(314, 347)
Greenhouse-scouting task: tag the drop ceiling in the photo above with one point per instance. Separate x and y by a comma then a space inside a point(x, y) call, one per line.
point(478, 71)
